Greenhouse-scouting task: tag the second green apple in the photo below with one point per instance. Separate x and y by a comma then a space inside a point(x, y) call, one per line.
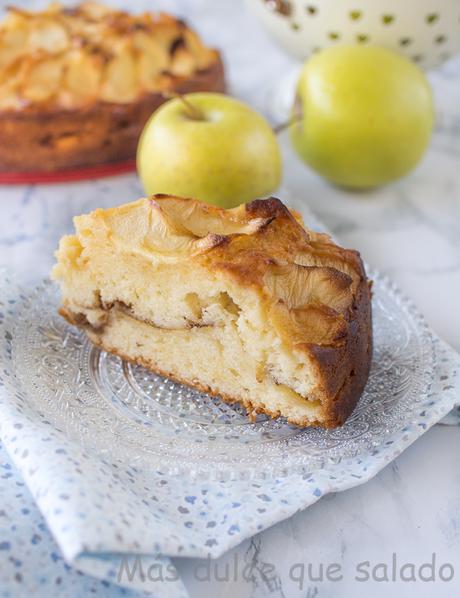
point(363, 115)
point(209, 146)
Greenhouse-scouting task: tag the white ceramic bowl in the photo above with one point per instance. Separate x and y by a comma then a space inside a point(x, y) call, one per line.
point(426, 31)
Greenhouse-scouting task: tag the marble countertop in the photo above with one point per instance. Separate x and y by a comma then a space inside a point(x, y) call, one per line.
point(409, 230)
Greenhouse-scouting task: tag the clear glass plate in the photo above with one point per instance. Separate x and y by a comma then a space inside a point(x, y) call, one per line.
point(122, 412)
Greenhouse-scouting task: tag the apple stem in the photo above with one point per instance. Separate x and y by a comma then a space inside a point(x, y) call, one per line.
point(282, 126)
point(192, 111)
point(296, 116)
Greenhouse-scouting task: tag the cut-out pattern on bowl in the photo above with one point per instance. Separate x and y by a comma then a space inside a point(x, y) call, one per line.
point(424, 25)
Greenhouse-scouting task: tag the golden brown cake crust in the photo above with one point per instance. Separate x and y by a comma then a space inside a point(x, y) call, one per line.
point(77, 86)
point(316, 294)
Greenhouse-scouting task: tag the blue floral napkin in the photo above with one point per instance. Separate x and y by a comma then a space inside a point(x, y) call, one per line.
point(103, 514)
point(452, 418)
point(30, 560)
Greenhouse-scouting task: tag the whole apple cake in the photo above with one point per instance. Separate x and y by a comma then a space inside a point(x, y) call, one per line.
point(245, 304)
point(77, 85)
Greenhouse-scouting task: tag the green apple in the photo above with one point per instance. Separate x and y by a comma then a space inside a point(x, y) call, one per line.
point(363, 115)
point(210, 147)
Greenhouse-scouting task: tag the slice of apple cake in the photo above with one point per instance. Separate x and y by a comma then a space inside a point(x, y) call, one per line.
point(245, 304)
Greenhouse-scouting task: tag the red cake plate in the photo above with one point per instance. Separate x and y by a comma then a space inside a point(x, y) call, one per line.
point(68, 176)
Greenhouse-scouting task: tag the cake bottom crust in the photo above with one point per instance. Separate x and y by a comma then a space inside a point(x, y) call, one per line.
point(252, 409)
point(304, 412)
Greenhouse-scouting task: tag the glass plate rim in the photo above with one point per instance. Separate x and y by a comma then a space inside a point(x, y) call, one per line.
point(304, 461)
